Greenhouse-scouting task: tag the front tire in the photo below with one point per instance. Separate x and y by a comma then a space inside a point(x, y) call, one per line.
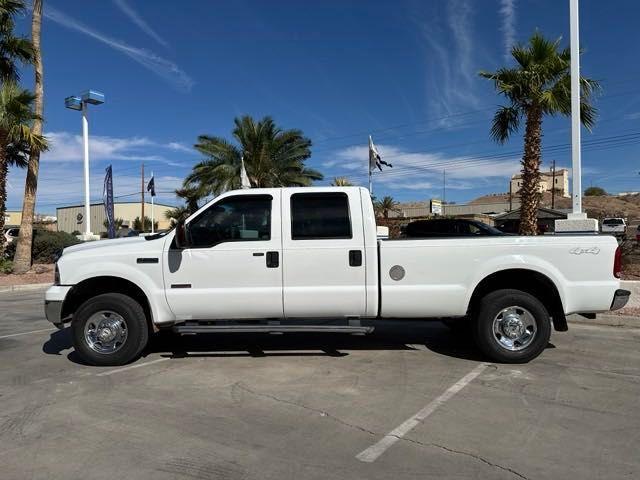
point(512, 326)
point(109, 329)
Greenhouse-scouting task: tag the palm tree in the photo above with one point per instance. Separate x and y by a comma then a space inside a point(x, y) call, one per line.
point(22, 258)
point(13, 49)
point(138, 225)
point(177, 214)
point(341, 182)
point(538, 85)
point(17, 138)
point(117, 225)
point(273, 157)
point(385, 206)
point(191, 197)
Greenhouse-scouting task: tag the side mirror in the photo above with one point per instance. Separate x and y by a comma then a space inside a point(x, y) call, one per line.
point(181, 236)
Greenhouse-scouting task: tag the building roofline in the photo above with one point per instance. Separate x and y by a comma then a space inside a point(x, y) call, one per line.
point(546, 173)
point(114, 203)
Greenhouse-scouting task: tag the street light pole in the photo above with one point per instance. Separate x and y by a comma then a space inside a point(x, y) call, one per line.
point(85, 141)
point(81, 103)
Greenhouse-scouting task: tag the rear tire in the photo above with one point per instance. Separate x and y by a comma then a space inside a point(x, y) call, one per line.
point(109, 329)
point(511, 326)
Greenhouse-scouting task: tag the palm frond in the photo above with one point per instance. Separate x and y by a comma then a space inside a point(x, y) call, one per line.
point(505, 122)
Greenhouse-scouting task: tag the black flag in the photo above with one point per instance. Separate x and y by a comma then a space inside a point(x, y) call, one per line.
point(151, 187)
point(107, 199)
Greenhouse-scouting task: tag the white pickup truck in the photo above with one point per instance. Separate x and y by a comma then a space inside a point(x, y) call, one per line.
point(308, 260)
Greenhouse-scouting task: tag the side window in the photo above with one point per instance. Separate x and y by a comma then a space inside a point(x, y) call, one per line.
point(243, 218)
point(317, 216)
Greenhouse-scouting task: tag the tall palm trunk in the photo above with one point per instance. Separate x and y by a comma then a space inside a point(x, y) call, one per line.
point(22, 260)
point(4, 170)
point(529, 192)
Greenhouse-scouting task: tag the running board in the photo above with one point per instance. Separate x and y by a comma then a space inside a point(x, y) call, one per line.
point(189, 329)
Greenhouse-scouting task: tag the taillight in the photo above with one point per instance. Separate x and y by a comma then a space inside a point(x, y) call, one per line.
point(617, 263)
point(56, 275)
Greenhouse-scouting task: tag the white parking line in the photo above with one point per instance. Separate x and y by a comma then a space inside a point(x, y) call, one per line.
point(27, 333)
point(377, 449)
point(131, 367)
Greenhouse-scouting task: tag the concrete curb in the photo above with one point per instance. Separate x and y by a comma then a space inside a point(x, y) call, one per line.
point(23, 288)
point(607, 320)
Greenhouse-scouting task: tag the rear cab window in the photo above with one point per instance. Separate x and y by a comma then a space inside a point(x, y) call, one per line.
point(320, 216)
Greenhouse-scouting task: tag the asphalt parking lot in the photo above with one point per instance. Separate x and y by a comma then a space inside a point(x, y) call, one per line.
point(409, 401)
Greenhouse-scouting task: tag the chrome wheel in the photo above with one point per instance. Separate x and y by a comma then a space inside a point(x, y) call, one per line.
point(105, 332)
point(514, 328)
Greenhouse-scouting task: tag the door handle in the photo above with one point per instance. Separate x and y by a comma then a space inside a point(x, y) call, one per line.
point(355, 258)
point(273, 259)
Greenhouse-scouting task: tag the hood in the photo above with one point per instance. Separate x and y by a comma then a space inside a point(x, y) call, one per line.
point(99, 244)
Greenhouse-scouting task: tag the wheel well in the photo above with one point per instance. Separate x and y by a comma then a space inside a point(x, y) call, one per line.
point(92, 287)
point(534, 283)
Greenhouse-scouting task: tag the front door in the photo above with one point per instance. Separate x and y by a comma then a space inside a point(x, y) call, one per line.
point(323, 254)
point(233, 267)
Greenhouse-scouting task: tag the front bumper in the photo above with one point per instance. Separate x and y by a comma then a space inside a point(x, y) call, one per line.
point(53, 300)
point(620, 299)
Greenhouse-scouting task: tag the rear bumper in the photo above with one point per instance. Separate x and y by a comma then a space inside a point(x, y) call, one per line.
point(620, 299)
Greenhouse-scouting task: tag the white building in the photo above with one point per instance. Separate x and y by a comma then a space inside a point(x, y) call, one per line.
point(71, 218)
point(548, 181)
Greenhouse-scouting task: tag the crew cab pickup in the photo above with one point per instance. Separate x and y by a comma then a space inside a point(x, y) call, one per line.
point(309, 260)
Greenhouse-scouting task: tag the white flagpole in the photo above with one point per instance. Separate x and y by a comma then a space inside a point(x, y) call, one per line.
point(576, 160)
point(369, 167)
point(152, 203)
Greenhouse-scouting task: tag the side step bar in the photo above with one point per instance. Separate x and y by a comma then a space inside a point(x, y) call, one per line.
point(189, 329)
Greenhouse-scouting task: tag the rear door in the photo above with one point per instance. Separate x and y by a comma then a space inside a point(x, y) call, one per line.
point(323, 253)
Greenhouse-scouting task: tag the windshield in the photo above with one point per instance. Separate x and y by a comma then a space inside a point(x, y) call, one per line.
point(613, 221)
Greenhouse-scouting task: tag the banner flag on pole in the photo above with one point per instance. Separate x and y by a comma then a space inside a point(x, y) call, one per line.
point(107, 199)
point(375, 160)
point(151, 186)
point(244, 178)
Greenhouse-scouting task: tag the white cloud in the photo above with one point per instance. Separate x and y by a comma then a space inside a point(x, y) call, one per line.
point(67, 147)
point(158, 65)
point(64, 185)
point(180, 147)
point(423, 170)
point(508, 13)
point(139, 21)
point(451, 50)
point(632, 116)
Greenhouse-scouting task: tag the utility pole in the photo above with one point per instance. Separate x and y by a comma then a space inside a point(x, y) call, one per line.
point(444, 189)
point(142, 192)
point(553, 184)
point(511, 195)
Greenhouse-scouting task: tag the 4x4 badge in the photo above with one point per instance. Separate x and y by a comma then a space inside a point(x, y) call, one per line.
point(581, 250)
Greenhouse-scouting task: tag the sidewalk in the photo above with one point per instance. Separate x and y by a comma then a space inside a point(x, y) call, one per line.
point(25, 287)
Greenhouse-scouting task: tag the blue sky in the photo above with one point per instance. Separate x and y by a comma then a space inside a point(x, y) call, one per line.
point(403, 71)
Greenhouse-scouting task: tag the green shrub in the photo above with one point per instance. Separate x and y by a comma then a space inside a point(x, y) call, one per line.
point(6, 266)
point(46, 246)
point(76, 232)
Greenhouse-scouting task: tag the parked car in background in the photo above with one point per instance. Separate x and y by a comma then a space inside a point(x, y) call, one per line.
point(449, 227)
point(638, 233)
point(614, 226)
point(10, 234)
